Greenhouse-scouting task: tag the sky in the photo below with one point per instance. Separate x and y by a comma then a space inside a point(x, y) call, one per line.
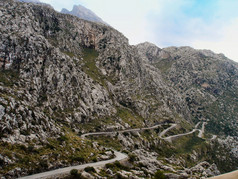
point(201, 24)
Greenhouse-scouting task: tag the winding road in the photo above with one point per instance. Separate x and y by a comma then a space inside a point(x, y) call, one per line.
point(166, 130)
point(119, 156)
point(171, 138)
point(127, 130)
point(202, 130)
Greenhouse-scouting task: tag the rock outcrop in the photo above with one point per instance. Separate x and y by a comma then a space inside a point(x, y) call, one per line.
point(62, 76)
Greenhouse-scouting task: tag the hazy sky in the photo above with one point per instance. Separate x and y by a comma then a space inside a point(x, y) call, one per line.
point(202, 24)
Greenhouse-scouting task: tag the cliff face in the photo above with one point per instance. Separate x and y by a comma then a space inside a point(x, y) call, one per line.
point(58, 64)
point(61, 75)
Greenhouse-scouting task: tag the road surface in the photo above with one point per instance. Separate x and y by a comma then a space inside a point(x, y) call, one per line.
point(196, 126)
point(170, 138)
point(166, 130)
point(202, 130)
point(127, 130)
point(119, 156)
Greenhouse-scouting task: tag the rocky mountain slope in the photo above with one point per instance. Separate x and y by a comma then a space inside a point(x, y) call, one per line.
point(83, 13)
point(207, 81)
point(34, 1)
point(62, 76)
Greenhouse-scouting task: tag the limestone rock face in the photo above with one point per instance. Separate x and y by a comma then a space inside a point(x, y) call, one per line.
point(61, 68)
point(60, 73)
point(48, 80)
point(205, 80)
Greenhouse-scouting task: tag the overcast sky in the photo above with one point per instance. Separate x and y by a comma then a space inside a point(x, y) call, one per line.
point(202, 24)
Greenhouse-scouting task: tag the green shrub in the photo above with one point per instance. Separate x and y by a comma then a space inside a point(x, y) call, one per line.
point(116, 166)
point(43, 164)
point(94, 159)
point(119, 176)
point(74, 172)
point(125, 133)
point(31, 149)
point(159, 175)
point(78, 159)
point(90, 170)
point(120, 166)
point(109, 165)
point(9, 77)
point(132, 157)
point(62, 138)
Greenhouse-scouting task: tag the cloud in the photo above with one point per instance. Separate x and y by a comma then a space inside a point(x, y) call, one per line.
point(227, 43)
point(201, 24)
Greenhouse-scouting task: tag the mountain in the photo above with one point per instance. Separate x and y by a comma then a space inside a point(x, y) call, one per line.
point(83, 13)
point(207, 81)
point(62, 76)
point(34, 1)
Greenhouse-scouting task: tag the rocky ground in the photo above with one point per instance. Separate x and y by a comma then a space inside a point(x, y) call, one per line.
point(62, 76)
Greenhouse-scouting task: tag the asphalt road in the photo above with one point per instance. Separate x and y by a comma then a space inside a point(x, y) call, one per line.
point(119, 156)
point(170, 138)
point(127, 130)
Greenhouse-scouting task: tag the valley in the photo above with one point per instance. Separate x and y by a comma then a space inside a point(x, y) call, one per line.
point(76, 93)
point(118, 155)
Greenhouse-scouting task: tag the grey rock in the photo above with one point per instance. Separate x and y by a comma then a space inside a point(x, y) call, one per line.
point(83, 13)
point(87, 175)
point(2, 111)
point(61, 70)
point(109, 171)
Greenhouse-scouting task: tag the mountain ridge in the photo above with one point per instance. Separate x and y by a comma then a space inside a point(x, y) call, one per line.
point(83, 13)
point(62, 76)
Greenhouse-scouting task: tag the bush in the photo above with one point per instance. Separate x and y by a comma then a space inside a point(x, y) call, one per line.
point(159, 175)
point(132, 157)
point(74, 172)
point(78, 159)
point(90, 170)
point(43, 163)
point(109, 165)
point(94, 159)
point(119, 176)
point(62, 138)
point(120, 166)
point(125, 133)
point(116, 165)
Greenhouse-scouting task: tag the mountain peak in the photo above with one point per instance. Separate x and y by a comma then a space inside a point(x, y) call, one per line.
point(83, 13)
